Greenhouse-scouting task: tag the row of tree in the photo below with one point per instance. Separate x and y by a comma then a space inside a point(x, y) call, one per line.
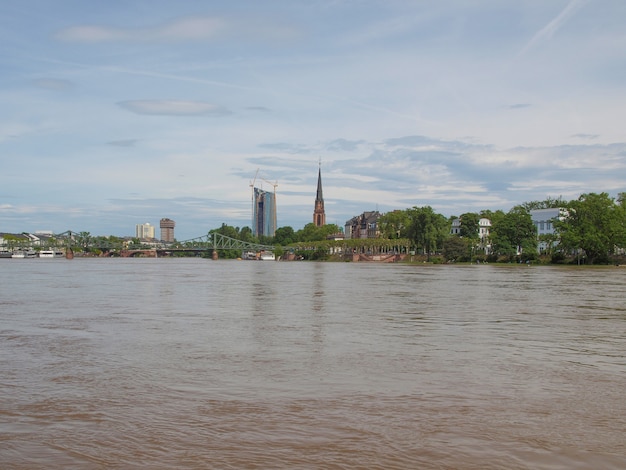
point(594, 227)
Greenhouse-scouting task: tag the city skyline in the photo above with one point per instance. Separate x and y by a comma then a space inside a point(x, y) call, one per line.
point(117, 113)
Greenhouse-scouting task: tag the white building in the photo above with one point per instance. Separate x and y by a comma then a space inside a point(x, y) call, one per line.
point(144, 231)
point(544, 222)
point(484, 225)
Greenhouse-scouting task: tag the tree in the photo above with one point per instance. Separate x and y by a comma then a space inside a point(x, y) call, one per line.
point(311, 232)
point(227, 231)
point(469, 225)
point(246, 235)
point(83, 239)
point(549, 203)
point(329, 229)
point(620, 236)
point(594, 224)
point(456, 248)
point(515, 234)
point(284, 236)
point(427, 229)
point(394, 224)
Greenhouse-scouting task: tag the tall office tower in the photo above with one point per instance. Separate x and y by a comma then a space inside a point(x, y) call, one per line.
point(264, 217)
point(144, 230)
point(167, 230)
point(319, 215)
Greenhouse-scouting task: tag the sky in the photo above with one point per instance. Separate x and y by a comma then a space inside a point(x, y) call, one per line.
point(124, 112)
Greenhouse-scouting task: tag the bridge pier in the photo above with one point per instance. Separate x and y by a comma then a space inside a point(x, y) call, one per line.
point(214, 255)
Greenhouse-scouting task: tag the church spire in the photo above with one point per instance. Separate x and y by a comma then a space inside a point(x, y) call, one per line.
point(319, 215)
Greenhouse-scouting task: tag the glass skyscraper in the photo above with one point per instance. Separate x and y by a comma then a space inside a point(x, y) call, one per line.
point(264, 222)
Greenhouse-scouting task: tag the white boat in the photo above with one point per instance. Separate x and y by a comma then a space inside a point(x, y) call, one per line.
point(261, 256)
point(18, 254)
point(248, 255)
point(47, 254)
point(267, 256)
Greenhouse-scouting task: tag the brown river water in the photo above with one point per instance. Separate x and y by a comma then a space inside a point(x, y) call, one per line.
point(194, 364)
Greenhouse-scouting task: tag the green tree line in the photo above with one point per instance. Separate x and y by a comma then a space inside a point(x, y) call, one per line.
point(594, 228)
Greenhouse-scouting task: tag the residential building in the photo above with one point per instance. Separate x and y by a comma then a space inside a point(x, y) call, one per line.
point(544, 222)
point(143, 231)
point(455, 228)
point(363, 226)
point(484, 226)
point(167, 230)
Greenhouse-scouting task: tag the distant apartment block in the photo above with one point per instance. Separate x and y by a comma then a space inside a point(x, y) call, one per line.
point(363, 226)
point(167, 230)
point(544, 222)
point(144, 231)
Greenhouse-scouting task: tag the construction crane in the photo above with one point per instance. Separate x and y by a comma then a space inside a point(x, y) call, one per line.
point(252, 194)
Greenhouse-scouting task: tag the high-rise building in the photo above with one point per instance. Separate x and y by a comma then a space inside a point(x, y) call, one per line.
point(144, 230)
point(167, 230)
point(319, 215)
point(264, 217)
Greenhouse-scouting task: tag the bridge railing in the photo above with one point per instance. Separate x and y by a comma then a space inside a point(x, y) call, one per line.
point(210, 241)
point(217, 241)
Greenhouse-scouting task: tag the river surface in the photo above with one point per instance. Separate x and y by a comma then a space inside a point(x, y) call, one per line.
point(193, 364)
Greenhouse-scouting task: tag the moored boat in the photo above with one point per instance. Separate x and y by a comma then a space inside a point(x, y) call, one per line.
point(267, 256)
point(249, 255)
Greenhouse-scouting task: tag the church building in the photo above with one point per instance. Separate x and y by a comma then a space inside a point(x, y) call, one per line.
point(319, 215)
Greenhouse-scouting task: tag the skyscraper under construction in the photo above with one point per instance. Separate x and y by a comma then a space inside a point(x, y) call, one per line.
point(264, 217)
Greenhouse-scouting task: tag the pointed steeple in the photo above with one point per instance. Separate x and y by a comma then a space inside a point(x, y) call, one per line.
point(319, 215)
point(319, 196)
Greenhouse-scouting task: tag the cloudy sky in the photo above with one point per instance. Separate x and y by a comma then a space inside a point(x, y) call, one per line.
point(127, 111)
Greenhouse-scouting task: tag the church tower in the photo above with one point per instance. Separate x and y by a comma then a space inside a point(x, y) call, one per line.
point(319, 216)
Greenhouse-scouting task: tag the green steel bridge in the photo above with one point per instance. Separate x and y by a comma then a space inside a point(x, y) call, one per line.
point(70, 240)
point(206, 245)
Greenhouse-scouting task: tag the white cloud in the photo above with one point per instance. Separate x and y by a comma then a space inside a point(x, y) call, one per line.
point(379, 92)
point(172, 107)
point(184, 29)
point(549, 30)
point(53, 84)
